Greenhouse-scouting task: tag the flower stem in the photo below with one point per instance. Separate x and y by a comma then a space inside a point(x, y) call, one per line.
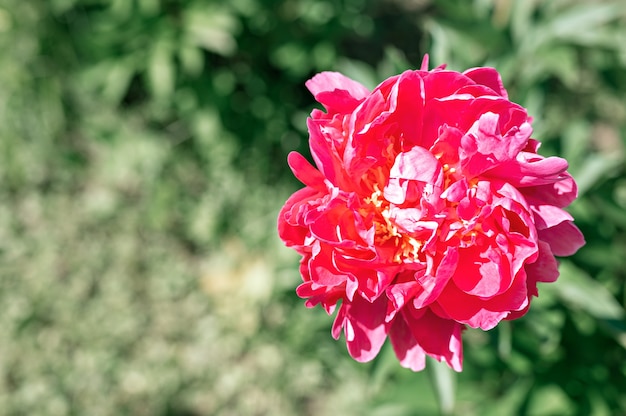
point(442, 379)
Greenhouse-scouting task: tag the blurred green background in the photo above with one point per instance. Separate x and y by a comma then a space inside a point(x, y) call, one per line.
point(143, 154)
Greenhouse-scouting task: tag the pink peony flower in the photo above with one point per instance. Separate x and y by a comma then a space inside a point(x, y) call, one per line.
point(429, 210)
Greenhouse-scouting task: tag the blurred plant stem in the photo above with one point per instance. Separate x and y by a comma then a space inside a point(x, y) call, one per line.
point(442, 378)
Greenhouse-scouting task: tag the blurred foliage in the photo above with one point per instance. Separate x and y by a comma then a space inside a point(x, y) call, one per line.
point(142, 165)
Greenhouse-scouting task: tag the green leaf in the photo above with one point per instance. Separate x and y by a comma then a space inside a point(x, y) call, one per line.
point(161, 71)
point(510, 402)
point(454, 47)
point(213, 30)
point(578, 289)
point(149, 7)
point(117, 81)
point(191, 59)
point(550, 400)
point(292, 57)
point(61, 6)
point(521, 19)
point(575, 143)
point(595, 168)
point(394, 62)
point(582, 20)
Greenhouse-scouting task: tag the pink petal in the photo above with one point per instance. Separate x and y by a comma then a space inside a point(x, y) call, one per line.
point(433, 285)
point(408, 351)
point(564, 239)
point(334, 223)
point(545, 268)
point(315, 295)
point(547, 216)
point(291, 227)
point(533, 172)
point(339, 321)
point(488, 77)
point(485, 146)
point(305, 172)
point(446, 146)
point(442, 84)
point(336, 92)
point(413, 174)
point(406, 103)
point(470, 104)
point(400, 293)
point(365, 136)
point(364, 327)
point(324, 154)
point(515, 299)
point(456, 192)
point(438, 337)
point(483, 274)
point(321, 268)
point(417, 164)
point(559, 194)
point(483, 313)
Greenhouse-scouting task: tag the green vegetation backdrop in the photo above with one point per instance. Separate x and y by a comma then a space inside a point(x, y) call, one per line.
point(143, 154)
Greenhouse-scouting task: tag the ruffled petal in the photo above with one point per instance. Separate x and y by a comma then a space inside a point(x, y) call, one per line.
point(305, 172)
point(565, 238)
point(408, 351)
point(364, 327)
point(488, 77)
point(440, 338)
point(336, 92)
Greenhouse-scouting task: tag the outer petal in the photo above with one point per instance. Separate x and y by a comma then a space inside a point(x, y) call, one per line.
point(483, 313)
point(442, 84)
point(547, 216)
point(530, 170)
point(327, 297)
point(485, 145)
point(366, 136)
point(564, 239)
point(545, 268)
point(321, 268)
point(560, 193)
point(336, 92)
point(438, 337)
point(488, 77)
point(291, 227)
point(306, 173)
point(408, 351)
point(463, 109)
point(334, 223)
point(406, 108)
point(315, 294)
point(323, 141)
point(364, 327)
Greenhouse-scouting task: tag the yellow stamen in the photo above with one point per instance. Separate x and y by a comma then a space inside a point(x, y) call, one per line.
point(406, 248)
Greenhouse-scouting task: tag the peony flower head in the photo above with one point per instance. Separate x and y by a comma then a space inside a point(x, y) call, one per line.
point(428, 210)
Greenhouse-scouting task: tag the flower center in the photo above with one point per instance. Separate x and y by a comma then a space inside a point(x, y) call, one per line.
point(387, 235)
